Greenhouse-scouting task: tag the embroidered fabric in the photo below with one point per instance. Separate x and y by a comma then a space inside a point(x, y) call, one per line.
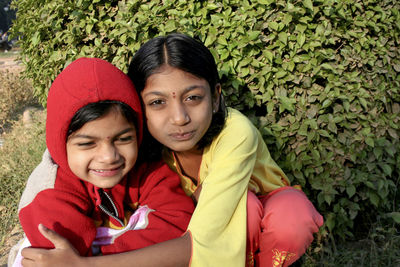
point(106, 236)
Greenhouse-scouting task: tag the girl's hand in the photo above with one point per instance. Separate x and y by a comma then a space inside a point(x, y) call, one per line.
point(64, 254)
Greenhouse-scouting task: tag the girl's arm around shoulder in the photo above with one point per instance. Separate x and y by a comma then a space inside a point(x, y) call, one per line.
point(172, 253)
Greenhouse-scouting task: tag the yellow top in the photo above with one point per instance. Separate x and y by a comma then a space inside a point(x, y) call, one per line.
point(237, 160)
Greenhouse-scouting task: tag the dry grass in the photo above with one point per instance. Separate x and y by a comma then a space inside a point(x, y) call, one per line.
point(15, 95)
point(21, 145)
point(21, 151)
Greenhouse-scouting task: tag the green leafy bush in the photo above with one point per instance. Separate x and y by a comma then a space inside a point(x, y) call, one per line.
point(320, 78)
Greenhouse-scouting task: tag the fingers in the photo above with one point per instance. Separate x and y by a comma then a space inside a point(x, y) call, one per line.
point(57, 240)
point(63, 254)
point(31, 256)
point(27, 262)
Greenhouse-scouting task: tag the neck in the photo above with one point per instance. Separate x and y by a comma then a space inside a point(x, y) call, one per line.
point(189, 153)
point(189, 162)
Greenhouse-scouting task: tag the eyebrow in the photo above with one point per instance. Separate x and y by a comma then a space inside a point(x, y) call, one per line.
point(188, 89)
point(94, 137)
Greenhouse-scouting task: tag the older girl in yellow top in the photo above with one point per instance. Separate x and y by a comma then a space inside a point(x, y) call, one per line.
point(246, 213)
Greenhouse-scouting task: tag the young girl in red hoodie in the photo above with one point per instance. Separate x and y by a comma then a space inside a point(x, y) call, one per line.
point(100, 200)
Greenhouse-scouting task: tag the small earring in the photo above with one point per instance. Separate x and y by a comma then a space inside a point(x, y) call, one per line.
point(214, 111)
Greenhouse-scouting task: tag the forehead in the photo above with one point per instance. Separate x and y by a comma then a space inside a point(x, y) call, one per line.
point(173, 79)
point(111, 123)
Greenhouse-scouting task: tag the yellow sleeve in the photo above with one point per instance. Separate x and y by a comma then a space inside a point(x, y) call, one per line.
point(218, 225)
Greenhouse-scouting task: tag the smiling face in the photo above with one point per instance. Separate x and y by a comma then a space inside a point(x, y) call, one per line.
point(104, 150)
point(178, 107)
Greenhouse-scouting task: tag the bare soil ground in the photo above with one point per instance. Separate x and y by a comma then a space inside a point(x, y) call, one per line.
point(9, 62)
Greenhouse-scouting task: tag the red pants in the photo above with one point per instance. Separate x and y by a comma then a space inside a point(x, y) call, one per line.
point(280, 227)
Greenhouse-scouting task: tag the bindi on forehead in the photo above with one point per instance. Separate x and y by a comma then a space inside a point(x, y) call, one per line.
point(173, 94)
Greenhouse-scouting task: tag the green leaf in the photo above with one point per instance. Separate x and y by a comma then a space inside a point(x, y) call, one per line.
point(327, 67)
point(328, 198)
point(253, 35)
point(350, 190)
point(303, 130)
point(316, 155)
point(224, 54)
point(282, 36)
point(332, 127)
point(273, 25)
point(308, 4)
point(287, 18)
point(210, 39)
point(378, 152)
point(330, 221)
point(323, 133)
point(286, 104)
point(270, 107)
point(266, 2)
point(369, 141)
point(222, 40)
point(97, 42)
point(280, 74)
point(35, 38)
point(374, 198)
point(301, 38)
point(363, 103)
point(386, 169)
point(170, 26)
point(326, 103)
point(370, 185)
point(269, 55)
point(395, 216)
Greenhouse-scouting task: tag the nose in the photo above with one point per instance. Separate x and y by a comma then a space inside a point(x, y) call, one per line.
point(108, 153)
point(179, 114)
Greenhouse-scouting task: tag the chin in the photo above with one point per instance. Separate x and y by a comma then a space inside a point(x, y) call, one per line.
point(107, 186)
point(182, 148)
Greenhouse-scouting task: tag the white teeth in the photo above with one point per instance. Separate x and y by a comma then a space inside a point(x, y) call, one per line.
point(104, 170)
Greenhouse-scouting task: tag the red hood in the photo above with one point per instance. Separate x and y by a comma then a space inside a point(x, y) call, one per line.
point(84, 81)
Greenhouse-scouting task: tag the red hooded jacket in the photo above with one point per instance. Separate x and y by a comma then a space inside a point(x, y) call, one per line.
point(149, 204)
